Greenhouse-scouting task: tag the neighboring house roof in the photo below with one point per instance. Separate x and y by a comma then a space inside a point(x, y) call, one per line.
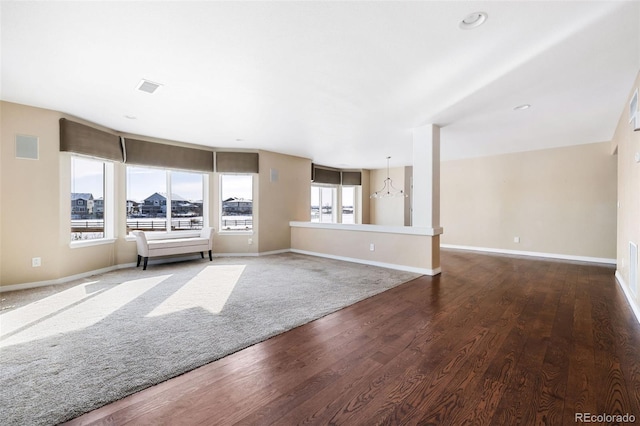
point(81, 196)
point(163, 196)
point(235, 200)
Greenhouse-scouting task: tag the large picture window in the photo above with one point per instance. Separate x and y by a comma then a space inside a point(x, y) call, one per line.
point(236, 195)
point(158, 197)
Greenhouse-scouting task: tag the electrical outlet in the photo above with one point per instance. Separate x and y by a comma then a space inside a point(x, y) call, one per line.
point(36, 262)
point(250, 241)
point(516, 239)
point(372, 247)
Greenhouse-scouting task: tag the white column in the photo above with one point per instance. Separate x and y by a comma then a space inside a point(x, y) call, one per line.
point(426, 178)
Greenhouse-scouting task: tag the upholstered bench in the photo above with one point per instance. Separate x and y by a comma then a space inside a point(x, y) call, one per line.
point(152, 247)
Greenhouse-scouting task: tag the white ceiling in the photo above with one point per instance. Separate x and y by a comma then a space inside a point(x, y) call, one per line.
point(342, 83)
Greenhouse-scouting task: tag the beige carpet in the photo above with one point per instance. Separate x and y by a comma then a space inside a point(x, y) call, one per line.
point(68, 349)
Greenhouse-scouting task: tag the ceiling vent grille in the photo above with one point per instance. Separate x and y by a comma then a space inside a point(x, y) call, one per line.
point(148, 86)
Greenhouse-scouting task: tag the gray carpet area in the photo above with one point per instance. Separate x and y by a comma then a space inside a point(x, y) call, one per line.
point(71, 348)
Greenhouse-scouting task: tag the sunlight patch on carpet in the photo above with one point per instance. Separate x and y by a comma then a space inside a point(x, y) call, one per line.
point(209, 290)
point(74, 309)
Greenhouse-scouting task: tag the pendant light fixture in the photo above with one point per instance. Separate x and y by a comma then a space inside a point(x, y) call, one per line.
point(388, 190)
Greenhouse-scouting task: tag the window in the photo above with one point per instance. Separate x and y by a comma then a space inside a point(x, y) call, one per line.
point(348, 204)
point(156, 197)
point(323, 199)
point(91, 190)
point(236, 209)
point(328, 207)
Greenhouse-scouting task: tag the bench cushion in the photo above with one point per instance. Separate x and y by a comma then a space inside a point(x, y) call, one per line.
point(177, 243)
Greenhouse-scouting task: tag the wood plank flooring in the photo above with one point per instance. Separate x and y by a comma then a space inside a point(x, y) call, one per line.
point(492, 340)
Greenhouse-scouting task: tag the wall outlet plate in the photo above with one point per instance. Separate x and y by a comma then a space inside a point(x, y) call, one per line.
point(36, 262)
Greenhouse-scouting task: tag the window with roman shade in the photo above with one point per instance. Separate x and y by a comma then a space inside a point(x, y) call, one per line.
point(351, 178)
point(326, 175)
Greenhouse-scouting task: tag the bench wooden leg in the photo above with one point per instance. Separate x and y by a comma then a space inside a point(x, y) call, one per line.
point(144, 267)
point(139, 259)
point(210, 256)
point(202, 254)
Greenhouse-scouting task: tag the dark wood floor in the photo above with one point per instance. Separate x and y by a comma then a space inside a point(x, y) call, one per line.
point(492, 340)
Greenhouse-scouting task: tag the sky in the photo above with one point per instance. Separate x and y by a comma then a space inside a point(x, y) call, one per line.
point(144, 181)
point(347, 196)
point(87, 176)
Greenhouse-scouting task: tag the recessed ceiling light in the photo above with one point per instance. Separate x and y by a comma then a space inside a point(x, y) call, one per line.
point(148, 86)
point(521, 107)
point(473, 20)
point(130, 117)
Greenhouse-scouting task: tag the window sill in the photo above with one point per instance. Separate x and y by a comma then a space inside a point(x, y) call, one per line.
point(89, 243)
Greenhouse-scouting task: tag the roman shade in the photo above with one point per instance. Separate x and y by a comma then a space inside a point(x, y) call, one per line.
point(169, 156)
point(82, 139)
point(237, 162)
point(321, 174)
point(352, 178)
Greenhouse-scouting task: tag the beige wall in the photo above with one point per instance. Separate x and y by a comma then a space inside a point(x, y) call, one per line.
point(283, 200)
point(386, 211)
point(37, 224)
point(390, 248)
point(627, 143)
point(558, 201)
point(33, 206)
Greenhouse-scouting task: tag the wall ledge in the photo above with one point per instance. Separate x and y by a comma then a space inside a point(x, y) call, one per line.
point(410, 230)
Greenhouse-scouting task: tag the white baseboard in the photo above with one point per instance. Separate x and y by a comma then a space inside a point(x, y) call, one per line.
point(422, 271)
point(269, 253)
point(263, 253)
point(236, 254)
point(64, 280)
point(152, 261)
point(627, 292)
point(532, 254)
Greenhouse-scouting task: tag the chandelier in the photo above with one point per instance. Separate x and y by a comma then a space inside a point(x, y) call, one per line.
point(388, 190)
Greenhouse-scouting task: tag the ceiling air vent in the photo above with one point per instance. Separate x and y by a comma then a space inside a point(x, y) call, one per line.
point(148, 86)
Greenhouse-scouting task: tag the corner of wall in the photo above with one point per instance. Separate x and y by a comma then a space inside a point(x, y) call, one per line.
point(627, 146)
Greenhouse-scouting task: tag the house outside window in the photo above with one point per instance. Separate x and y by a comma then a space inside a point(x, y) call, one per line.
point(90, 179)
point(156, 197)
point(236, 206)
